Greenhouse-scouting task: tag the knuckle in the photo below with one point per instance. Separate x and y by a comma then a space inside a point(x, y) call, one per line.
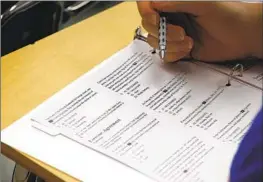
point(180, 30)
point(175, 33)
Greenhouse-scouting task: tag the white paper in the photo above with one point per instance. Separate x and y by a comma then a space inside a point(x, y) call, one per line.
point(252, 73)
point(67, 156)
point(170, 122)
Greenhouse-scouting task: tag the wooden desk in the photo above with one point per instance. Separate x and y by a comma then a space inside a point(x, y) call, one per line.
point(34, 73)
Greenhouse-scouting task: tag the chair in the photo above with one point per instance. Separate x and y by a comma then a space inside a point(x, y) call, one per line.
point(26, 22)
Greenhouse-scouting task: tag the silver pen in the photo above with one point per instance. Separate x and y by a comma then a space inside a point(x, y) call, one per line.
point(162, 36)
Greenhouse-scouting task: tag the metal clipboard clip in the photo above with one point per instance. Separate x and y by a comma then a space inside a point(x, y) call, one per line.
point(237, 67)
point(138, 35)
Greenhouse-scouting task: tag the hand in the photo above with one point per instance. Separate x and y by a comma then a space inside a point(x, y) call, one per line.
point(228, 30)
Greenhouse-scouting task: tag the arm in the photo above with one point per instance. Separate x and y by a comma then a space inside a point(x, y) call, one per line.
point(260, 30)
point(257, 28)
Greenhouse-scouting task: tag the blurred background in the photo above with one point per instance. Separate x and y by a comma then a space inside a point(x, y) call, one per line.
point(25, 22)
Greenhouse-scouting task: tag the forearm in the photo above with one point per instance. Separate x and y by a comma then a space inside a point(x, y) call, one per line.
point(251, 28)
point(260, 32)
point(257, 29)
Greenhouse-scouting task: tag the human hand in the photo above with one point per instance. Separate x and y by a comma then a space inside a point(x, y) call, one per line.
point(228, 30)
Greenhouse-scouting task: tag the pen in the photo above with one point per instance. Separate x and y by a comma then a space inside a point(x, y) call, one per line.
point(162, 36)
point(186, 21)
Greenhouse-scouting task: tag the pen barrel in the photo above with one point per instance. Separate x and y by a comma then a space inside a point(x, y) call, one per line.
point(162, 33)
point(186, 21)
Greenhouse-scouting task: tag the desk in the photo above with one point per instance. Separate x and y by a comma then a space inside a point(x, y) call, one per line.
point(34, 73)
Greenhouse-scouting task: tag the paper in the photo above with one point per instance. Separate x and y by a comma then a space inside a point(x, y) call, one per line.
point(170, 122)
point(252, 73)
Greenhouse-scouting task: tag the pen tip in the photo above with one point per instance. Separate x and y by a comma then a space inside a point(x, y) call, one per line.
point(162, 54)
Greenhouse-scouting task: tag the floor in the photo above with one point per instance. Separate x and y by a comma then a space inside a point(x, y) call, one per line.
point(6, 169)
point(7, 166)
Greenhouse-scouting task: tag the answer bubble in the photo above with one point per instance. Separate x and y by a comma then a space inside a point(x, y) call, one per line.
point(129, 144)
point(51, 121)
point(204, 102)
point(165, 90)
point(242, 111)
point(134, 63)
point(185, 171)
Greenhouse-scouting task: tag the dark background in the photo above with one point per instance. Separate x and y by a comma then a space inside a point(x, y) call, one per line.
point(20, 27)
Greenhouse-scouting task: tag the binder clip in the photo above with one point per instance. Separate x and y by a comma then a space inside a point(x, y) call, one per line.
point(138, 35)
point(237, 67)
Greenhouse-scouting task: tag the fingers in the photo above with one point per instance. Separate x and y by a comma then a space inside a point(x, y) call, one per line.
point(175, 50)
point(178, 44)
point(186, 7)
point(174, 33)
point(192, 7)
point(172, 57)
point(145, 8)
point(172, 46)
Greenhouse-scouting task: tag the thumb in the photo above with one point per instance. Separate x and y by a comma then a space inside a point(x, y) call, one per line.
point(194, 8)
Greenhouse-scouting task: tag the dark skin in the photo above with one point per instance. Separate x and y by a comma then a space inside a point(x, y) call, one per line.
point(228, 30)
